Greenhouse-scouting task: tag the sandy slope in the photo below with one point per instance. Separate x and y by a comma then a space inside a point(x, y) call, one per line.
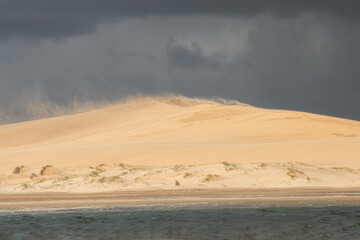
point(163, 131)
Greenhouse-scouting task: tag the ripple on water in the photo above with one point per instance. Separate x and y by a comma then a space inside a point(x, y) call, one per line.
point(187, 223)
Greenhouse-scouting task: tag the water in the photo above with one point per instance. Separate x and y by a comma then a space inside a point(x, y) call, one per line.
point(185, 223)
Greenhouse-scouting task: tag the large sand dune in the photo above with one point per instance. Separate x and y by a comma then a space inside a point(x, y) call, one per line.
point(168, 131)
point(163, 131)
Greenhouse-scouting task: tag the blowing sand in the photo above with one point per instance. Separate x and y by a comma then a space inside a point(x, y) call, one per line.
point(179, 143)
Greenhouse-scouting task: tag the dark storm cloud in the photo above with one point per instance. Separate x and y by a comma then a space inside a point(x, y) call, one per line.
point(189, 58)
point(299, 55)
point(61, 18)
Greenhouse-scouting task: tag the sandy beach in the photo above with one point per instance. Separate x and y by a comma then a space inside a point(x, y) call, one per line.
point(178, 198)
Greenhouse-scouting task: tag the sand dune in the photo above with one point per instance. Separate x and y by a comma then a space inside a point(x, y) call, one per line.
point(164, 131)
point(167, 131)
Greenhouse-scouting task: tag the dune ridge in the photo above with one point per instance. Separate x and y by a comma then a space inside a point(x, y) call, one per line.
point(175, 130)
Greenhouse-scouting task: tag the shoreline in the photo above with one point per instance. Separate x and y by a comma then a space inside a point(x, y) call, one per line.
point(275, 197)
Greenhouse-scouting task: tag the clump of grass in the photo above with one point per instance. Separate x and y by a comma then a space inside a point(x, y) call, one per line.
point(25, 185)
point(99, 168)
point(43, 169)
point(94, 174)
point(211, 177)
point(65, 178)
point(121, 165)
point(303, 164)
point(226, 164)
point(33, 175)
point(102, 180)
point(114, 178)
point(345, 169)
point(41, 180)
point(188, 175)
point(177, 183)
point(109, 179)
point(124, 173)
point(17, 170)
point(177, 168)
point(292, 172)
point(229, 166)
point(263, 165)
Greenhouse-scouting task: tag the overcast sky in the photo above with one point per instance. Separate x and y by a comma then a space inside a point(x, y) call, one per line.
point(285, 54)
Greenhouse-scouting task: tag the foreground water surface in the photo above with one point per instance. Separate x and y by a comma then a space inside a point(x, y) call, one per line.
point(185, 223)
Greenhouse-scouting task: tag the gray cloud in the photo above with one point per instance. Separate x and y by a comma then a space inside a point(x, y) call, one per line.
point(277, 56)
point(189, 58)
point(62, 18)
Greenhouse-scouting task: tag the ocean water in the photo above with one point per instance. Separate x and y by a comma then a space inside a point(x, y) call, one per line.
point(185, 223)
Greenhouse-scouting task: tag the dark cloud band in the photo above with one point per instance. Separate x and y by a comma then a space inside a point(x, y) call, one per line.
point(58, 18)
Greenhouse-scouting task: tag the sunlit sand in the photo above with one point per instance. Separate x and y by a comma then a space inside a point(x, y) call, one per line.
point(179, 143)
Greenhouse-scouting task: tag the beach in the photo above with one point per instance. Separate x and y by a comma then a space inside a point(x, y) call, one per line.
point(138, 199)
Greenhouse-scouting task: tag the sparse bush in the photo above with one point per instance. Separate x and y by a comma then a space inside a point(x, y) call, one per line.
point(43, 169)
point(345, 169)
point(94, 174)
point(102, 180)
point(121, 165)
point(229, 166)
point(41, 181)
point(114, 178)
point(33, 175)
point(25, 185)
point(177, 168)
point(293, 172)
point(177, 183)
point(263, 165)
point(188, 175)
point(211, 177)
point(99, 168)
point(18, 169)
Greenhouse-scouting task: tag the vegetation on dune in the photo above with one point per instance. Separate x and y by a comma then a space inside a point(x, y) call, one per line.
point(229, 166)
point(43, 169)
point(94, 174)
point(17, 170)
point(263, 165)
point(188, 175)
point(33, 175)
point(211, 177)
point(292, 172)
point(347, 169)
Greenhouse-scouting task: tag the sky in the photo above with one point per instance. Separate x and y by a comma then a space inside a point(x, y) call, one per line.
point(285, 54)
